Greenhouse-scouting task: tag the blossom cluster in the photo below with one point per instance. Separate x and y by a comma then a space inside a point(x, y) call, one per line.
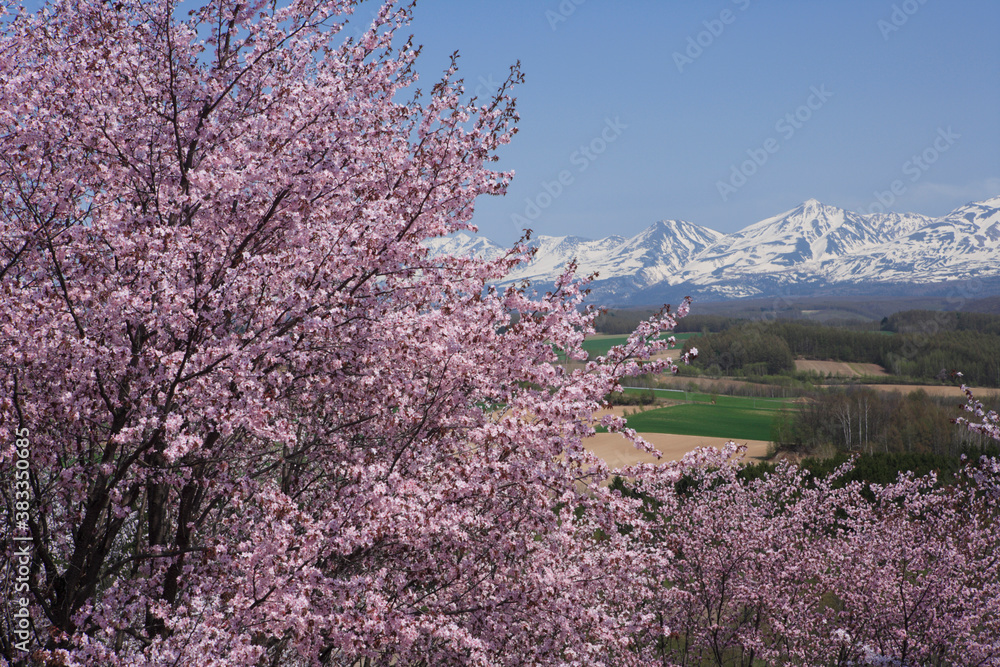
point(786, 568)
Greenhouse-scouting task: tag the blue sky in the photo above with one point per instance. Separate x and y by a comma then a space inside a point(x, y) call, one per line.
point(724, 112)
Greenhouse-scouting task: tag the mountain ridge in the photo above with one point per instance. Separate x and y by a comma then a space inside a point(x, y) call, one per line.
point(808, 249)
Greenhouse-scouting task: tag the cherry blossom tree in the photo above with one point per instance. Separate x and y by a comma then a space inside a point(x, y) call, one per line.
point(262, 425)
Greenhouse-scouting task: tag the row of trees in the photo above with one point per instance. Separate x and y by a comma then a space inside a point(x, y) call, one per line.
point(625, 321)
point(862, 419)
point(758, 348)
point(247, 420)
point(925, 322)
point(934, 321)
point(749, 349)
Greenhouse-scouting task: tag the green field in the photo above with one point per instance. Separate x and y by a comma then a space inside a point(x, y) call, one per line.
point(733, 417)
point(599, 345)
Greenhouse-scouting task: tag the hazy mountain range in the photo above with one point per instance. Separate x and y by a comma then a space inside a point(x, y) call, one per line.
point(813, 249)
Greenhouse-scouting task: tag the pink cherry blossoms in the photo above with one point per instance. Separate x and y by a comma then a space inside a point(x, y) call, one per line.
point(266, 427)
point(787, 569)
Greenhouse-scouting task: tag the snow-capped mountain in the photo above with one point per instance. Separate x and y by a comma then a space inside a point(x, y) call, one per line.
point(651, 256)
point(796, 246)
point(464, 244)
point(961, 245)
point(813, 248)
point(803, 236)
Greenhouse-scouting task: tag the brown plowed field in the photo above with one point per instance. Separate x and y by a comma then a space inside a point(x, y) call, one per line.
point(844, 368)
point(618, 452)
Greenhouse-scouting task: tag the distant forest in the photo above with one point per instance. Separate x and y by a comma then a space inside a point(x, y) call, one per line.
point(868, 421)
point(917, 345)
point(863, 314)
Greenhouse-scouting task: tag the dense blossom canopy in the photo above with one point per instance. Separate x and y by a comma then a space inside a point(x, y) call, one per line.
point(250, 421)
point(266, 427)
